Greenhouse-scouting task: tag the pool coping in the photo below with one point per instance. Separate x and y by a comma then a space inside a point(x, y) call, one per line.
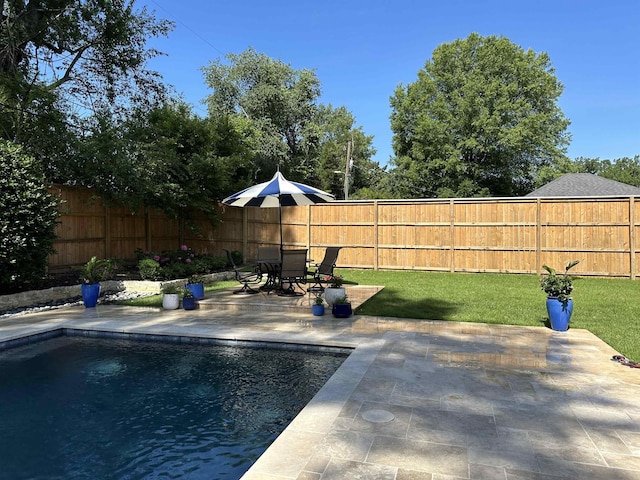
point(330, 437)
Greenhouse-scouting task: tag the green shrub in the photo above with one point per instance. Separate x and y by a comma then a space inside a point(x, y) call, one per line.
point(28, 219)
point(148, 269)
point(182, 262)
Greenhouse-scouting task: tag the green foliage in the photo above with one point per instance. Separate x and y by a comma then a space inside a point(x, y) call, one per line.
point(195, 279)
point(558, 286)
point(274, 111)
point(479, 121)
point(98, 270)
point(61, 61)
point(28, 219)
point(149, 269)
point(186, 293)
point(171, 289)
point(181, 263)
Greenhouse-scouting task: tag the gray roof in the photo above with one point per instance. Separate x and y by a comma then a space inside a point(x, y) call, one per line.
point(584, 185)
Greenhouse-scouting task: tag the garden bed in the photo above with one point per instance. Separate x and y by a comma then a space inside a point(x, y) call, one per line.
point(63, 292)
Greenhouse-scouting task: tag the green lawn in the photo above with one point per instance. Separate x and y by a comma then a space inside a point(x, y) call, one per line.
point(610, 308)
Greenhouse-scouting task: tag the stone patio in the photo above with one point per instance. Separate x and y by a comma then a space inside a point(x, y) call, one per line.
point(417, 399)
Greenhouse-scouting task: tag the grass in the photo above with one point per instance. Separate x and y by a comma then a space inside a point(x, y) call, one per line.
point(607, 307)
point(156, 300)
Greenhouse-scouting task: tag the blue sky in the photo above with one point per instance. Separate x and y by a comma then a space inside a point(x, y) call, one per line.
point(362, 50)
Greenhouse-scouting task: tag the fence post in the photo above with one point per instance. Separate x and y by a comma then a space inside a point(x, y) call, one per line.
point(376, 240)
point(107, 230)
point(452, 233)
point(538, 235)
point(632, 238)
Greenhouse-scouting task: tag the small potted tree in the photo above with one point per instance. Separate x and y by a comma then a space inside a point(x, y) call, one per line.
point(318, 305)
point(341, 307)
point(170, 296)
point(91, 274)
point(558, 289)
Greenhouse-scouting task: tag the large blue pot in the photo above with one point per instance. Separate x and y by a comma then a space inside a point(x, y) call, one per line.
point(197, 289)
point(90, 294)
point(559, 313)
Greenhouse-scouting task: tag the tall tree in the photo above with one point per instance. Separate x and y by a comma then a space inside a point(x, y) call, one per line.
point(165, 157)
point(480, 120)
point(64, 59)
point(340, 138)
point(282, 122)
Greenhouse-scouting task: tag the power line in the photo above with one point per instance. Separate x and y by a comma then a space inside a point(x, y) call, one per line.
point(188, 27)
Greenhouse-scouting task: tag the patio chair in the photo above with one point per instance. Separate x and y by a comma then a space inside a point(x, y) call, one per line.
point(268, 262)
point(244, 277)
point(324, 270)
point(293, 271)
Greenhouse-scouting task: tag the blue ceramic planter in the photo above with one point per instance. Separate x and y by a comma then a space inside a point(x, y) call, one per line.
point(318, 310)
point(559, 313)
point(341, 310)
point(189, 303)
point(197, 289)
point(90, 294)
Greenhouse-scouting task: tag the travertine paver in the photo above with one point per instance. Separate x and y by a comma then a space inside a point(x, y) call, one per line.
point(450, 400)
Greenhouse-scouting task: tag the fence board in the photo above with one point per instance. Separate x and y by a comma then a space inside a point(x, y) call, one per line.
point(515, 235)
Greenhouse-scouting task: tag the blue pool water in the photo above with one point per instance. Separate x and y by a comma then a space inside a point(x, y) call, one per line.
point(85, 408)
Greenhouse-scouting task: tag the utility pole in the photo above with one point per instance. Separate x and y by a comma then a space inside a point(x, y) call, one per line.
point(347, 173)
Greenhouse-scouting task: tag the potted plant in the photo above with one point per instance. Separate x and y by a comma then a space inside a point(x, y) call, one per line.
point(195, 283)
point(341, 307)
point(558, 289)
point(188, 299)
point(91, 274)
point(170, 296)
point(318, 305)
point(334, 289)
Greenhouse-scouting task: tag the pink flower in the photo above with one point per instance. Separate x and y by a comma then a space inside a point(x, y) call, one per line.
point(188, 260)
point(156, 258)
point(184, 248)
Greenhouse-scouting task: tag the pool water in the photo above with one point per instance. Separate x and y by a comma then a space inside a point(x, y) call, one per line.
point(86, 408)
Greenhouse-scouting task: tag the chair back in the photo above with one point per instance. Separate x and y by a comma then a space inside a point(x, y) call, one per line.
point(230, 259)
point(329, 261)
point(268, 254)
point(294, 264)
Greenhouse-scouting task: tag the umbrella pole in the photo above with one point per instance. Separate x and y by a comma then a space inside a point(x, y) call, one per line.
point(281, 245)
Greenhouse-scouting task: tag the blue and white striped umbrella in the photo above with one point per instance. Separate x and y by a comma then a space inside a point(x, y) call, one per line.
point(277, 193)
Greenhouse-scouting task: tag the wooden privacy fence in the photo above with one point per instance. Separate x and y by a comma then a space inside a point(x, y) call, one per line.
point(509, 235)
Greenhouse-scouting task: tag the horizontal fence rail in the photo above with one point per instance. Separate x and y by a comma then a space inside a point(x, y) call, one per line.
point(502, 235)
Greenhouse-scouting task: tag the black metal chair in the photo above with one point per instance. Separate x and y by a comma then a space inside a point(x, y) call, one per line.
point(293, 271)
point(268, 262)
point(245, 278)
point(324, 270)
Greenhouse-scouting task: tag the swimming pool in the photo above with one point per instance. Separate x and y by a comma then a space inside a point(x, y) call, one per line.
point(86, 408)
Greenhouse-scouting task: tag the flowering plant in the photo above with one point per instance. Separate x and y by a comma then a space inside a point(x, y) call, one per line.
point(97, 270)
point(335, 281)
point(195, 279)
point(318, 300)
